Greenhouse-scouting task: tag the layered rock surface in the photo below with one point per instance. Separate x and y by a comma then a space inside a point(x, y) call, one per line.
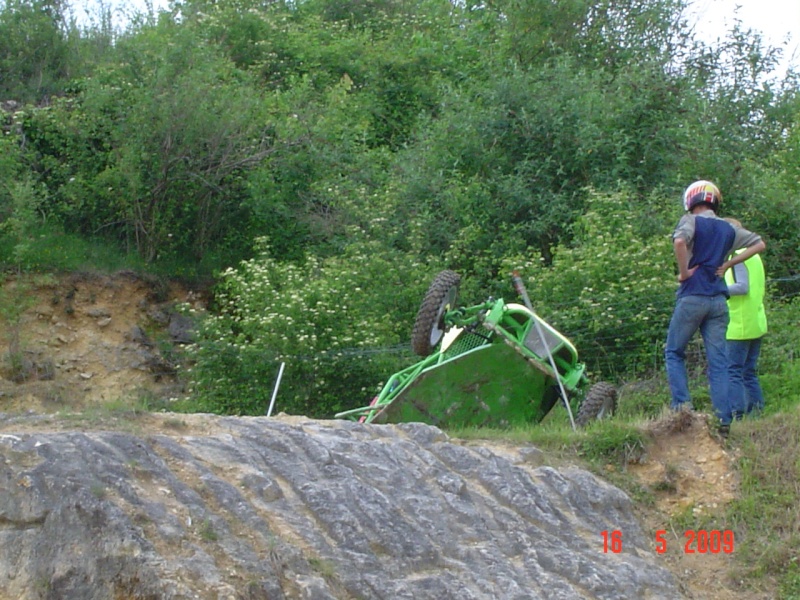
point(179, 506)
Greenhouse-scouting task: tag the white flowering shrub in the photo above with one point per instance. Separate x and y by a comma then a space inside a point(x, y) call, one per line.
point(612, 291)
point(341, 325)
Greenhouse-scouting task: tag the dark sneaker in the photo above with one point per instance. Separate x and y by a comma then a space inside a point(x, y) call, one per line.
point(724, 430)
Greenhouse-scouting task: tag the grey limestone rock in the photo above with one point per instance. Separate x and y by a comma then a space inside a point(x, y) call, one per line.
point(271, 508)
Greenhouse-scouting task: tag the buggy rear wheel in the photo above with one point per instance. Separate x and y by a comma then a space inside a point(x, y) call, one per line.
point(600, 403)
point(429, 326)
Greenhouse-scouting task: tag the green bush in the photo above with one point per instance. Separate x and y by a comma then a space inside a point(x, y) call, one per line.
point(779, 364)
point(612, 290)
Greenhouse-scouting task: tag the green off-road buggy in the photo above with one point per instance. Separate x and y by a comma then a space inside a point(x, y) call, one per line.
point(493, 364)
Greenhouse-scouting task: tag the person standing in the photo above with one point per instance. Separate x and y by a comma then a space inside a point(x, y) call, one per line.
point(748, 325)
point(701, 242)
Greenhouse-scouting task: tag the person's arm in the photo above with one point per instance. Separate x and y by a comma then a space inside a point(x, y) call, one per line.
point(759, 246)
point(682, 257)
point(741, 278)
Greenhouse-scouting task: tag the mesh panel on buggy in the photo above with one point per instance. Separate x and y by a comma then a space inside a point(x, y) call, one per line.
point(464, 343)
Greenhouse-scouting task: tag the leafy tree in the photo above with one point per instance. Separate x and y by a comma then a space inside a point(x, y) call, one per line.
point(608, 34)
point(35, 52)
point(11, 167)
point(508, 165)
point(617, 34)
point(771, 206)
point(154, 149)
point(735, 111)
point(21, 196)
point(192, 126)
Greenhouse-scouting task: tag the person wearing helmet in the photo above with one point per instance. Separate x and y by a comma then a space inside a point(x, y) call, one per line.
point(704, 247)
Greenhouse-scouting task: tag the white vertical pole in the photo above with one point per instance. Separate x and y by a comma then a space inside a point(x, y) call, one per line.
point(524, 293)
point(275, 391)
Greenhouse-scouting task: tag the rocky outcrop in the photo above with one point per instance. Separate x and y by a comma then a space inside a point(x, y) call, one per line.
point(178, 506)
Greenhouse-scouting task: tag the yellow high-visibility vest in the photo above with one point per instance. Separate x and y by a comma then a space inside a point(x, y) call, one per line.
point(748, 319)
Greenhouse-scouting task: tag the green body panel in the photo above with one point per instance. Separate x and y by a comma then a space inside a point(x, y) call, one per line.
point(494, 370)
point(491, 385)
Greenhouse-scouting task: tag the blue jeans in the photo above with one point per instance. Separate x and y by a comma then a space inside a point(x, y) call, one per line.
point(709, 315)
point(745, 388)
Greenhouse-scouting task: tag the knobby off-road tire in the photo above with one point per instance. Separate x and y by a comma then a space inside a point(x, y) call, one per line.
point(429, 325)
point(600, 403)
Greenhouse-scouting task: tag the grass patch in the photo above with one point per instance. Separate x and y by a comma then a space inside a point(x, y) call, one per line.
point(642, 399)
point(120, 407)
point(780, 387)
point(119, 413)
point(98, 490)
point(174, 423)
point(207, 531)
point(517, 434)
point(613, 442)
point(606, 441)
point(324, 567)
point(766, 516)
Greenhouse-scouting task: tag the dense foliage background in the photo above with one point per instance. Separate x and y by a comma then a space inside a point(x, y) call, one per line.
point(323, 159)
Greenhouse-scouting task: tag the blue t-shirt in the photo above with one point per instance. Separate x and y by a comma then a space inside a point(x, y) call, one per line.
point(710, 240)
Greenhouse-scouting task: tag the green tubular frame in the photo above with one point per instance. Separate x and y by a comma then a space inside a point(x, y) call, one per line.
point(483, 326)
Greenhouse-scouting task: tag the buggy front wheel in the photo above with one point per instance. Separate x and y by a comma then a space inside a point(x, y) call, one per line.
point(600, 403)
point(429, 326)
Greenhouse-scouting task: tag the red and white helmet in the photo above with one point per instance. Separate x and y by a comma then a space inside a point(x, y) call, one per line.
point(702, 192)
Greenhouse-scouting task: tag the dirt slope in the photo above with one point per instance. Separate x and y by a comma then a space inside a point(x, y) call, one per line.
point(690, 469)
point(85, 338)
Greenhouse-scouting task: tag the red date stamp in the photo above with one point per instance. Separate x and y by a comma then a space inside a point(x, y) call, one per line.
point(695, 542)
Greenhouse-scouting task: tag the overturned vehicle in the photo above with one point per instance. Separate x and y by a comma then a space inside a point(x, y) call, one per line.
point(493, 364)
